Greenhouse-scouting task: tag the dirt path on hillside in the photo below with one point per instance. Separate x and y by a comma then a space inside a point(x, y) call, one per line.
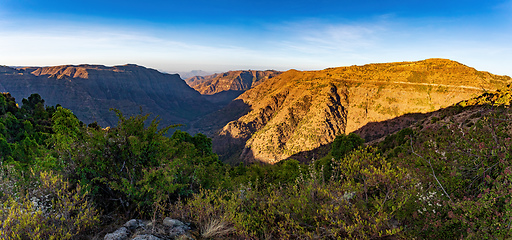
point(418, 84)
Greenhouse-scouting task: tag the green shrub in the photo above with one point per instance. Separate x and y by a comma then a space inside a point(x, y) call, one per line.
point(434, 120)
point(343, 144)
point(133, 165)
point(373, 194)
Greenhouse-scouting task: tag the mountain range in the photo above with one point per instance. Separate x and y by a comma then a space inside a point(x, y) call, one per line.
point(264, 116)
point(91, 90)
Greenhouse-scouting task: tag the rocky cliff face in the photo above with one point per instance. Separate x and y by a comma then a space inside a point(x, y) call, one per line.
point(299, 111)
point(222, 88)
point(90, 90)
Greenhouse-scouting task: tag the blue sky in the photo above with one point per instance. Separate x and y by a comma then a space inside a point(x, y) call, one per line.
point(228, 35)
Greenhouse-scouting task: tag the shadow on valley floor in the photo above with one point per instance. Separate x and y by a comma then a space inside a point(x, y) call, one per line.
point(375, 130)
point(311, 155)
point(223, 98)
point(213, 122)
point(369, 132)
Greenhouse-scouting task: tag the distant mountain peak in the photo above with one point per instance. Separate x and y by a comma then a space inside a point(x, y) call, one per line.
point(195, 73)
point(240, 80)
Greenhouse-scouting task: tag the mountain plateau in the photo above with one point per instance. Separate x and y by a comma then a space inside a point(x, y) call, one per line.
point(91, 90)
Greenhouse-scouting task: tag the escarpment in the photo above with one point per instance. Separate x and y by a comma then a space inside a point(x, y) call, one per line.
point(91, 90)
point(231, 140)
point(305, 123)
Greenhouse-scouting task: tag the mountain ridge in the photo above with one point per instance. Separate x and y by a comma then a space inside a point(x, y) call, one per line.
point(283, 121)
point(274, 115)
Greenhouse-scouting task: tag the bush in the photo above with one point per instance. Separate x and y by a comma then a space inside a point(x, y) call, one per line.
point(372, 197)
point(134, 165)
point(464, 179)
point(343, 144)
point(52, 211)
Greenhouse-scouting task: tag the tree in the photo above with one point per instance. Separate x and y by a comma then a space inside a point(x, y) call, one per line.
point(32, 101)
point(67, 129)
point(343, 144)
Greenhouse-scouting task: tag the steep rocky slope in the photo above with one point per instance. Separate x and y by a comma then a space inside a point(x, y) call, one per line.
point(90, 90)
point(300, 111)
point(222, 88)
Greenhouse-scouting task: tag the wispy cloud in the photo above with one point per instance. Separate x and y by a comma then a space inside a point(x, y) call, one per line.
point(504, 6)
point(304, 44)
point(389, 38)
point(317, 36)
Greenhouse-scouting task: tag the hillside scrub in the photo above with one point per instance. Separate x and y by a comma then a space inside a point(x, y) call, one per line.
point(135, 166)
point(53, 210)
point(359, 201)
point(464, 177)
point(37, 201)
point(444, 179)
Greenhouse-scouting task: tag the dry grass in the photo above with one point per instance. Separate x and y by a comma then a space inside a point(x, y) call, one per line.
point(216, 228)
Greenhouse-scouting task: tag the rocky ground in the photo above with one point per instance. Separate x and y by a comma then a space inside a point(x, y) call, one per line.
point(137, 229)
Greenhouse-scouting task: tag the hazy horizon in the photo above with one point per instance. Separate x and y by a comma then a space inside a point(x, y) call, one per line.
point(215, 36)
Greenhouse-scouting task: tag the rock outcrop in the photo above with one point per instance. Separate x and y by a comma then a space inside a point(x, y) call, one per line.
point(136, 229)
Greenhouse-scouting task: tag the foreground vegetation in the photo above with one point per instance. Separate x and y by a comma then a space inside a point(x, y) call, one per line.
point(448, 177)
